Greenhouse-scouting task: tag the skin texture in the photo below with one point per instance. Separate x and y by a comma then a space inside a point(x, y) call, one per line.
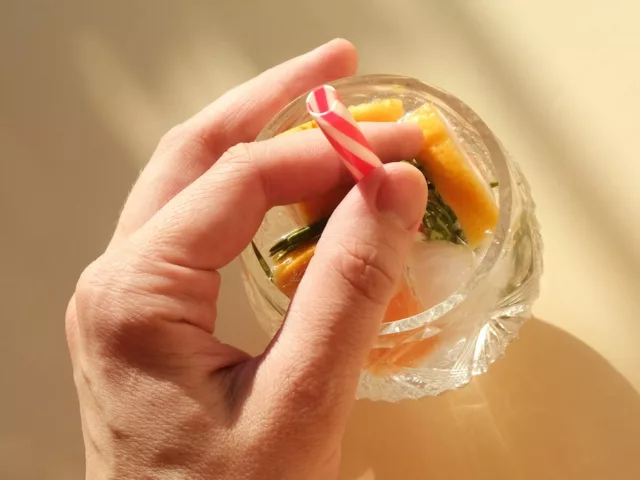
point(160, 397)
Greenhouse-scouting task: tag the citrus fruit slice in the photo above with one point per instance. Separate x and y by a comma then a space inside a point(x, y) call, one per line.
point(387, 360)
point(288, 272)
point(404, 304)
point(447, 166)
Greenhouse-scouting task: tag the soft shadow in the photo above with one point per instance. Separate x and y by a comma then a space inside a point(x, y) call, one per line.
point(295, 27)
point(546, 132)
point(553, 408)
point(63, 179)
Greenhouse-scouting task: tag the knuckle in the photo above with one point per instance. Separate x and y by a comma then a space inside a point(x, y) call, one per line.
point(88, 280)
point(95, 287)
point(96, 276)
point(238, 164)
point(187, 138)
point(364, 269)
point(109, 287)
point(240, 152)
point(120, 295)
point(113, 312)
point(175, 136)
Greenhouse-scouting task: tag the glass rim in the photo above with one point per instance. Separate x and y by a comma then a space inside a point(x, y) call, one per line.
point(496, 156)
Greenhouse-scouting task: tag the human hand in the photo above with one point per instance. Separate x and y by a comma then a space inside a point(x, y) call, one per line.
point(160, 396)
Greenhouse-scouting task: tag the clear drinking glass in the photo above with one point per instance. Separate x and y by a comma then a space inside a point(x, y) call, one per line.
point(463, 334)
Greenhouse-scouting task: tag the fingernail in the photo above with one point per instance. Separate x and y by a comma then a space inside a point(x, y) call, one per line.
point(402, 196)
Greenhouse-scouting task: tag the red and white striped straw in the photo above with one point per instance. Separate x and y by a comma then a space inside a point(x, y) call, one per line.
point(342, 131)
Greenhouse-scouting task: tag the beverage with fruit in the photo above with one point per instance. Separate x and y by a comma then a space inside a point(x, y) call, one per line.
point(474, 267)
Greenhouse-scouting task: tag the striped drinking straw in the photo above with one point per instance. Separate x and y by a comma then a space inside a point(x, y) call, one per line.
point(344, 135)
point(342, 131)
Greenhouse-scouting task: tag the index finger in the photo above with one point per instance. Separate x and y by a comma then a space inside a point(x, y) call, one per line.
point(192, 148)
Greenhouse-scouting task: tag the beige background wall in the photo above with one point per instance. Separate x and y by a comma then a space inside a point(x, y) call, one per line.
point(87, 88)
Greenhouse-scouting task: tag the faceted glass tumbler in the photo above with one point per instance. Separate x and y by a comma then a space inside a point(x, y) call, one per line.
point(462, 335)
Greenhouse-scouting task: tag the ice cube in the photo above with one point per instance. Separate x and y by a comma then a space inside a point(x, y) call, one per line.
point(437, 269)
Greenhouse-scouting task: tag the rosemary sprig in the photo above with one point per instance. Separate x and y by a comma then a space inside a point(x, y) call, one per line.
point(439, 221)
point(295, 239)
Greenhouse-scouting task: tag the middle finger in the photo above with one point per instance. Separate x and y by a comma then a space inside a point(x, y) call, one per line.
point(190, 149)
point(209, 223)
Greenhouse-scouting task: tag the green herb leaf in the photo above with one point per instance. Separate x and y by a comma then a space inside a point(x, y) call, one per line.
point(298, 237)
point(439, 222)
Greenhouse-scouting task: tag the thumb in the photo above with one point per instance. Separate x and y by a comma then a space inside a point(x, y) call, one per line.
point(340, 302)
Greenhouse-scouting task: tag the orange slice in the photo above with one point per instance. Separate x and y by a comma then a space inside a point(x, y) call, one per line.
point(390, 359)
point(387, 110)
point(460, 186)
point(404, 304)
point(289, 271)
